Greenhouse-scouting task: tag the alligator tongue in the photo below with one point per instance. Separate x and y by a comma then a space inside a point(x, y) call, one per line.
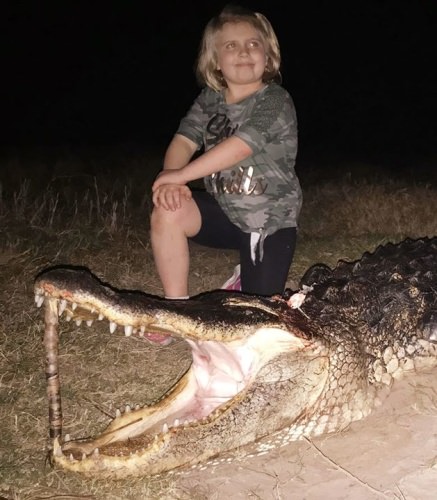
point(158, 338)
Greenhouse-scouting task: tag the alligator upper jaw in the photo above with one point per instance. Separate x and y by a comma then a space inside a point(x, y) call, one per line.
point(83, 298)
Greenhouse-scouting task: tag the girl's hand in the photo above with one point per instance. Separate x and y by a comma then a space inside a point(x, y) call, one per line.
point(168, 177)
point(170, 196)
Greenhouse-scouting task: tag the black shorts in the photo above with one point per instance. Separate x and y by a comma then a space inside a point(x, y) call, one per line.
point(266, 277)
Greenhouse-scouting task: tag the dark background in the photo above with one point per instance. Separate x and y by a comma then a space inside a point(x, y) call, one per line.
point(86, 74)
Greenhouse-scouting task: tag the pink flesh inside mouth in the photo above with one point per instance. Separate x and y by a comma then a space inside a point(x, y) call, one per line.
point(158, 338)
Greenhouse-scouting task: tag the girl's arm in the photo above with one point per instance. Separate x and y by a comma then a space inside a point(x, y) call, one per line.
point(225, 155)
point(179, 152)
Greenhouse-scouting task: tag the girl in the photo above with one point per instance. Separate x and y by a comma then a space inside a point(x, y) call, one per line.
point(244, 123)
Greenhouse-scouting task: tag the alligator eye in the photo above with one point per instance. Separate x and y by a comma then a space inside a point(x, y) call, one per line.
point(429, 326)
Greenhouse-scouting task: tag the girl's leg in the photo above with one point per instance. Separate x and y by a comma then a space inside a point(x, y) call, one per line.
point(169, 234)
point(265, 278)
point(269, 276)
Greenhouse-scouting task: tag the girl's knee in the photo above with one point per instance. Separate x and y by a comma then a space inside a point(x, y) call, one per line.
point(186, 220)
point(164, 218)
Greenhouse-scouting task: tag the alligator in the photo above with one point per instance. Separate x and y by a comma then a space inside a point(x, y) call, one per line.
point(265, 371)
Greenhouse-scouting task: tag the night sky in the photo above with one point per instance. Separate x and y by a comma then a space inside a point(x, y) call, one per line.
point(361, 73)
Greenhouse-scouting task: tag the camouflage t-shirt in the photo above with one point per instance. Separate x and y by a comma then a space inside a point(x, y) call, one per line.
point(262, 193)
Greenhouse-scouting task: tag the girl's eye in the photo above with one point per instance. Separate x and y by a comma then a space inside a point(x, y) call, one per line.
point(254, 44)
point(230, 45)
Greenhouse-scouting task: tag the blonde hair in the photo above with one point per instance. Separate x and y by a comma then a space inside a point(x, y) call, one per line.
point(206, 68)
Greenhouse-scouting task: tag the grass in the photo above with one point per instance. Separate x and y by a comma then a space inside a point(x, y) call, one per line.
point(95, 213)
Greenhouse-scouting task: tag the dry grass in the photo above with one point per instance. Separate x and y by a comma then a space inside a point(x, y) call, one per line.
point(64, 216)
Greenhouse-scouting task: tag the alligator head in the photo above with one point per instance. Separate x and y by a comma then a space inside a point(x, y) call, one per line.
point(261, 371)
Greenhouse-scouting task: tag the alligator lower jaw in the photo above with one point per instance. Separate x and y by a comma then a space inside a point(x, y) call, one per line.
point(128, 450)
point(157, 439)
point(98, 465)
point(143, 442)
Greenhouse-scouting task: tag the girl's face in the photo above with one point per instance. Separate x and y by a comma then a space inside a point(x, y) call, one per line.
point(241, 54)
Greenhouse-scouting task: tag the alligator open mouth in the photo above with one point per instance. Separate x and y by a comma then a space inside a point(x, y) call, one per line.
point(262, 371)
point(227, 356)
point(217, 379)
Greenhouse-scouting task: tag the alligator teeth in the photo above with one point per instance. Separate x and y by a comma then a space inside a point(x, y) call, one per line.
point(128, 330)
point(112, 326)
point(67, 438)
point(62, 306)
point(96, 452)
point(176, 422)
point(100, 317)
point(68, 317)
point(117, 413)
point(74, 306)
point(71, 457)
point(78, 322)
point(57, 450)
point(39, 300)
point(127, 409)
point(165, 428)
point(89, 322)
